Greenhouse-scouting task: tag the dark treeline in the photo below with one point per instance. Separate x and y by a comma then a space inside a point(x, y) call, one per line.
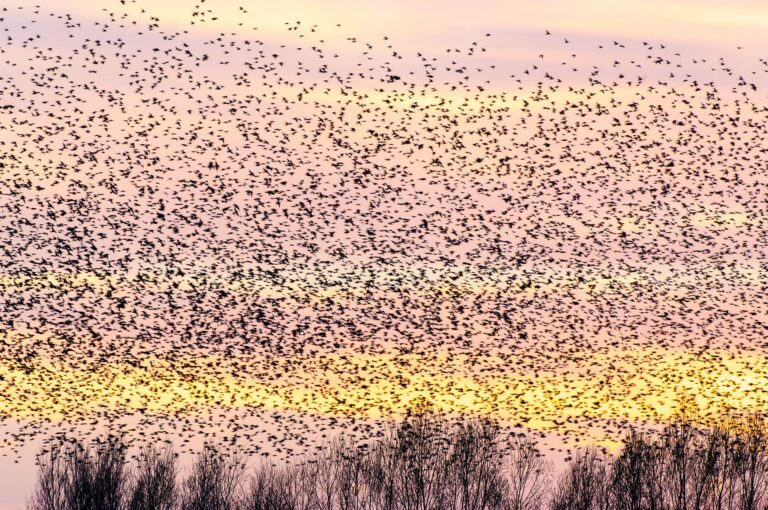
point(425, 463)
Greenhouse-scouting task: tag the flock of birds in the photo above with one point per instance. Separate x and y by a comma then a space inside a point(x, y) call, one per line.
point(279, 236)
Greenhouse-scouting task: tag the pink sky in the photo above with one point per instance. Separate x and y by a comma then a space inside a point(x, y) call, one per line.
point(651, 276)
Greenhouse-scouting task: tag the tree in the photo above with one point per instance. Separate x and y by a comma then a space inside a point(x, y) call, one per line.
point(214, 482)
point(583, 485)
point(529, 475)
point(154, 480)
point(74, 476)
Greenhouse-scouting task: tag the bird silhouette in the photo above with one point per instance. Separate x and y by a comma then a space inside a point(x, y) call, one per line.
point(215, 234)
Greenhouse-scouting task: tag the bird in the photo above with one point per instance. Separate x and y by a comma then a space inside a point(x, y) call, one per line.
point(228, 235)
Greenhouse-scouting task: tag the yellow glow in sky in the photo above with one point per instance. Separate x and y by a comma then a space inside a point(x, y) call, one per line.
point(641, 386)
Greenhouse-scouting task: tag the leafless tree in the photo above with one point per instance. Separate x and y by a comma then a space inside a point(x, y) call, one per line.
point(751, 463)
point(378, 474)
point(529, 475)
point(476, 476)
point(322, 477)
point(416, 457)
point(214, 482)
point(635, 476)
point(350, 465)
point(678, 443)
point(90, 478)
point(154, 480)
point(583, 485)
point(49, 491)
point(312, 486)
point(271, 488)
point(428, 462)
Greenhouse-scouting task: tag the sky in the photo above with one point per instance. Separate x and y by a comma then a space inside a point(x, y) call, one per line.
point(217, 212)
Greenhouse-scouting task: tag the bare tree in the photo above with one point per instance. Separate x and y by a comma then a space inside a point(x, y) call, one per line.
point(724, 489)
point(583, 485)
point(751, 463)
point(310, 487)
point(49, 491)
point(322, 477)
point(477, 466)
point(428, 462)
point(422, 448)
point(214, 482)
point(154, 480)
point(271, 489)
point(94, 478)
point(378, 473)
point(529, 475)
point(679, 447)
point(352, 491)
point(636, 475)
point(416, 457)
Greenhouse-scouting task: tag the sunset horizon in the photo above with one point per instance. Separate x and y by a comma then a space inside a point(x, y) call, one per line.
point(270, 224)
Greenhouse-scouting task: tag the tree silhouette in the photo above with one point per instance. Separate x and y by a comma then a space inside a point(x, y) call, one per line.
point(427, 462)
